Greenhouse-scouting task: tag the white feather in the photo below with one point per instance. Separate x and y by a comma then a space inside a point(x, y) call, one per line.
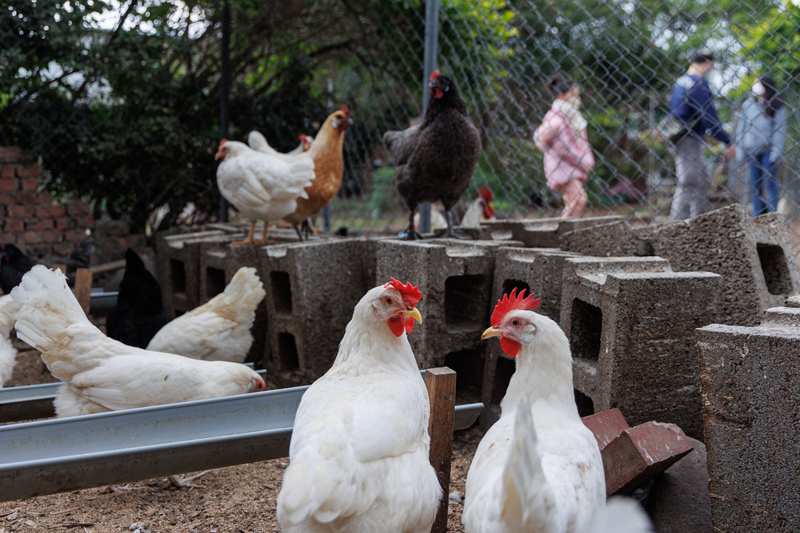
point(8, 354)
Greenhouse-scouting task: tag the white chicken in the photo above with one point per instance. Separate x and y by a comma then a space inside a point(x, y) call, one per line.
point(480, 210)
point(359, 450)
point(261, 186)
point(538, 469)
point(218, 330)
point(259, 143)
point(8, 354)
point(101, 374)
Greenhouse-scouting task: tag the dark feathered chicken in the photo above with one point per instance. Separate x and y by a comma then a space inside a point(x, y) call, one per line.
point(14, 263)
point(436, 160)
point(139, 312)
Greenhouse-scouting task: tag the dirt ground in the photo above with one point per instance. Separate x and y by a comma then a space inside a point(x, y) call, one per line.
point(236, 499)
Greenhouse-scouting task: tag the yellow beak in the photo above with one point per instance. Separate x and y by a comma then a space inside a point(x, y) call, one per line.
point(217, 155)
point(413, 313)
point(491, 332)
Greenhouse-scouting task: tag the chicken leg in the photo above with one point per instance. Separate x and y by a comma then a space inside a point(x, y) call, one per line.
point(450, 232)
point(249, 239)
point(412, 234)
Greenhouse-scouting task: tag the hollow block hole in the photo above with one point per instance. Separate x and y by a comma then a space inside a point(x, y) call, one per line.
point(584, 403)
point(287, 352)
point(465, 302)
point(775, 268)
point(178, 273)
point(215, 281)
point(586, 331)
point(511, 284)
point(281, 292)
point(468, 365)
point(502, 376)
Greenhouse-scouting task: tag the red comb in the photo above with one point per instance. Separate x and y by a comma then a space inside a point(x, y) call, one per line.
point(223, 141)
point(486, 193)
point(302, 137)
point(435, 73)
point(513, 302)
point(411, 295)
point(346, 111)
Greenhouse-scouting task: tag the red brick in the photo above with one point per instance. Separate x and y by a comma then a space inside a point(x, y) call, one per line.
point(8, 184)
point(84, 221)
point(641, 453)
point(40, 224)
point(49, 211)
point(31, 237)
point(606, 425)
point(20, 211)
point(11, 154)
point(30, 171)
point(13, 224)
point(61, 223)
point(45, 198)
point(51, 235)
point(26, 198)
point(78, 208)
point(9, 171)
point(7, 198)
point(29, 184)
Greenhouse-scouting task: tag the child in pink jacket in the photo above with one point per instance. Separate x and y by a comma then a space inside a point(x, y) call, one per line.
point(562, 138)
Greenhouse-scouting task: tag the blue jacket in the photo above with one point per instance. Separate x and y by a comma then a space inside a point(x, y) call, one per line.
point(757, 133)
point(691, 98)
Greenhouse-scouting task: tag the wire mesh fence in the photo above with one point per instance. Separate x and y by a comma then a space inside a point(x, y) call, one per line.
point(120, 101)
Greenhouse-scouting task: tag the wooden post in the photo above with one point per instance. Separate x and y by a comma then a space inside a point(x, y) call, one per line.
point(62, 268)
point(441, 385)
point(83, 288)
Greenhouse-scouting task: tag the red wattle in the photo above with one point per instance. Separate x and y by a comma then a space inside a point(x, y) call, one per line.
point(510, 347)
point(396, 325)
point(409, 324)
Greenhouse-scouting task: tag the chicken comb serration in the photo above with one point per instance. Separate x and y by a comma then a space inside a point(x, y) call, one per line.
point(513, 302)
point(346, 111)
point(435, 73)
point(223, 141)
point(485, 193)
point(411, 295)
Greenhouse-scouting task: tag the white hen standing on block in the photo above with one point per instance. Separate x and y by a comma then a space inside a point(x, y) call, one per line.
point(538, 469)
point(8, 354)
point(101, 374)
point(218, 330)
point(359, 451)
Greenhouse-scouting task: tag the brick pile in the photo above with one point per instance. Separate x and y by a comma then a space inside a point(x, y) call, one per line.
point(32, 219)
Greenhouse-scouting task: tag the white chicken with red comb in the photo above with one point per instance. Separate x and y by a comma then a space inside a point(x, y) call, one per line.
point(538, 469)
point(358, 460)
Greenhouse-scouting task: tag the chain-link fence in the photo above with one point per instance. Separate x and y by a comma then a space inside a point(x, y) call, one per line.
point(121, 101)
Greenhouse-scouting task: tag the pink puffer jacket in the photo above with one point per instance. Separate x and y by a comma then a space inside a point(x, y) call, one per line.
point(567, 156)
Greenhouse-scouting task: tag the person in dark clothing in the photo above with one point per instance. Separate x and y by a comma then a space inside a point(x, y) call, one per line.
point(692, 103)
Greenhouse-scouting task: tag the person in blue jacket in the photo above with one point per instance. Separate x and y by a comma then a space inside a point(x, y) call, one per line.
point(761, 136)
point(692, 103)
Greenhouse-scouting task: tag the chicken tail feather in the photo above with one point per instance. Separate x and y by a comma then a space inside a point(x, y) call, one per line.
point(48, 307)
point(527, 496)
point(244, 293)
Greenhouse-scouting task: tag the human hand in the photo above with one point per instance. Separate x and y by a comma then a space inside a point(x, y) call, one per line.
point(731, 152)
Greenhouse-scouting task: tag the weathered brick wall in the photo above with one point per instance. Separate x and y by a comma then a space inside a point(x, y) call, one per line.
point(31, 219)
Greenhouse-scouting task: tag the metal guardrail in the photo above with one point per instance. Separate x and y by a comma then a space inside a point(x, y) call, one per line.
point(57, 455)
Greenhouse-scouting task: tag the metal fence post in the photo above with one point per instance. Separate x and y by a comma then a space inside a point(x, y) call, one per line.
point(431, 49)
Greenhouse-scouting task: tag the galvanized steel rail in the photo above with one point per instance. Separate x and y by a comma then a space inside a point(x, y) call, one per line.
point(57, 455)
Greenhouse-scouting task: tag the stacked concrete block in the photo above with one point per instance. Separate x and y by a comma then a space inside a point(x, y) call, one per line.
point(753, 255)
point(455, 278)
point(312, 288)
point(179, 267)
point(630, 323)
point(541, 232)
point(751, 404)
point(534, 269)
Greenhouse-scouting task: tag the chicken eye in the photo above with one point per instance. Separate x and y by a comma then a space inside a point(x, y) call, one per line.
point(389, 301)
point(515, 323)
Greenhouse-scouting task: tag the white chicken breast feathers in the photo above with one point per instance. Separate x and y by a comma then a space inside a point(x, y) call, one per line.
point(538, 469)
point(218, 330)
point(106, 374)
point(262, 186)
point(8, 354)
point(359, 451)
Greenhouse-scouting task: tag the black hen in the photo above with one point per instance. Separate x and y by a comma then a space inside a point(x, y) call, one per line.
point(139, 312)
point(436, 160)
point(14, 263)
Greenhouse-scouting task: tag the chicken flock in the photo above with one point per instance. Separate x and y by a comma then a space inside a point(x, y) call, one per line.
point(359, 452)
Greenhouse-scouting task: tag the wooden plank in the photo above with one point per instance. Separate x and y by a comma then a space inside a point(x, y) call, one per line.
point(441, 385)
point(62, 268)
point(107, 267)
point(83, 288)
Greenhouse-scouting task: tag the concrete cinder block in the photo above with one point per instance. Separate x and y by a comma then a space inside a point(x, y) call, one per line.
point(312, 288)
point(631, 322)
point(541, 232)
point(751, 400)
point(534, 269)
point(753, 255)
point(679, 499)
point(613, 239)
point(455, 278)
point(179, 267)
